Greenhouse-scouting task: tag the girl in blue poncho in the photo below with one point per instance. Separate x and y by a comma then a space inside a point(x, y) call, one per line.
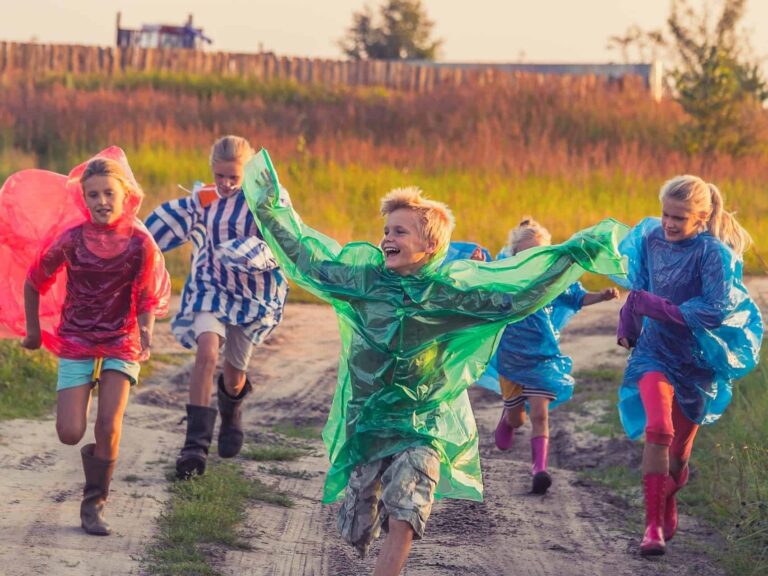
point(531, 368)
point(694, 329)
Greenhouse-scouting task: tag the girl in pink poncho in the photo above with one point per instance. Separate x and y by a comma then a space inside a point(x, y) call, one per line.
point(91, 296)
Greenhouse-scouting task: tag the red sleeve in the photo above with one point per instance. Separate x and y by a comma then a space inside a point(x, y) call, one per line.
point(42, 273)
point(153, 285)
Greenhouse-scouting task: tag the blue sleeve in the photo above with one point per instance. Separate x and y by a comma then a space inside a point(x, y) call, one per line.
point(172, 223)
point(634, 248)
point(567, 305)
point(716, 301)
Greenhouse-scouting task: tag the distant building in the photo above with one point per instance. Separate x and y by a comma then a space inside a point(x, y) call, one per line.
point(651, 73)
point(162, 36)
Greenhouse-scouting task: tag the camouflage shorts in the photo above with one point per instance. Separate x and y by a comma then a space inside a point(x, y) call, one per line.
point(401, 486)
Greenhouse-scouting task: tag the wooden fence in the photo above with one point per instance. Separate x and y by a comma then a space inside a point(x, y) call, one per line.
point(39, 60)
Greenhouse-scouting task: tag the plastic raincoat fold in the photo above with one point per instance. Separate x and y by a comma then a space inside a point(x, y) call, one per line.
point(411, 345)
point(94, 280)
point(723, 334)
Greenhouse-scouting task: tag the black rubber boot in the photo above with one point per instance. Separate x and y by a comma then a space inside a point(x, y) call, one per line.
point(98, 475)
point(200, 422)
point(231, 431)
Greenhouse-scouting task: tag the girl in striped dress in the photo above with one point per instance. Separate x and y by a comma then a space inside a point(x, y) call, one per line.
point(234, 296)
point(531, 368)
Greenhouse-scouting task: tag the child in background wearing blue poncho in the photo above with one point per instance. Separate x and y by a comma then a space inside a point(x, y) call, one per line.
point(531, 368)
point(694, 329)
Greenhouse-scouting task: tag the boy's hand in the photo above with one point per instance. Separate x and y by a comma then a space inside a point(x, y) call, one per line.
point(32, 341)
point(624, 343)
point(609, 294)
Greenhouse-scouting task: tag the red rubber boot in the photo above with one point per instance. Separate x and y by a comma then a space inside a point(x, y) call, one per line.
point(670, 508)
point(655, 490)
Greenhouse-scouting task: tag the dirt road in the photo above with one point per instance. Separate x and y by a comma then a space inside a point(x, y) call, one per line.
point(577, 529)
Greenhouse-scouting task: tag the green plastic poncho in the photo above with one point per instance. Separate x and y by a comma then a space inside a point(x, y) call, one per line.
point(412, 345)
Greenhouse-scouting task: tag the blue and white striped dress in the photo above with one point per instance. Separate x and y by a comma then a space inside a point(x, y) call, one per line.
point(233, 273)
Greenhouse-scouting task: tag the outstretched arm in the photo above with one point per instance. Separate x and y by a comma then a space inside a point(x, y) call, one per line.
point(172, 223)
point(311, 259)
point(591, 298)
point(512, 288)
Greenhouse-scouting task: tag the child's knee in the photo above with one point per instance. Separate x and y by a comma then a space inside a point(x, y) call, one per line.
point(70, 433)
point(538, 417)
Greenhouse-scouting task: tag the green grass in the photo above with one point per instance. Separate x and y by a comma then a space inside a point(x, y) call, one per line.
point(203, 513)
point(620, 479)
point(27, 382)
point(206, 86)
point(272, 452)
point(301, 432)
point(730, 487)
point(278, 471)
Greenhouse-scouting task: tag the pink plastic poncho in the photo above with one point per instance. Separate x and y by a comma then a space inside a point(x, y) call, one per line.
point(94, 280)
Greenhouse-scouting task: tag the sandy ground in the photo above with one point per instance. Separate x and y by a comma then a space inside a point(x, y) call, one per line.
point(578, 528)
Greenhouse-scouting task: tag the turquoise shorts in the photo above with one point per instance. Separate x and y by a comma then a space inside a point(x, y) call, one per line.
point(78, 372)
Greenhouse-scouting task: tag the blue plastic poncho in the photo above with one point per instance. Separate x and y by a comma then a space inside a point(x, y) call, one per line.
point(529, 350)
point(411, 345)
point(464, 250)
point(724, 331)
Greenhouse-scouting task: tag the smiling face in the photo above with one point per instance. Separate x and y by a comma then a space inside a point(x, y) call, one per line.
point(104, 197)
point(678, 221)
point(405, 249)
point(228, 177)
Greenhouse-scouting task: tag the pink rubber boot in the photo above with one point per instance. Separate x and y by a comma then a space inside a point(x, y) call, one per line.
point(539, 452)
point(505, 434)
point(655, 490)
point(670, 508)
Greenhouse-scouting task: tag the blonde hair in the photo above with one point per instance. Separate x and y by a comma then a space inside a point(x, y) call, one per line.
point(436, 220)
point(527, 229)
point(707, 202)
point(231, 149)
point(110, 168)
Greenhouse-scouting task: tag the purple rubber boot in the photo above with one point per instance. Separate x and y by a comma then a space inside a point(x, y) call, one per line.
point(539, 452)
point(505, 434)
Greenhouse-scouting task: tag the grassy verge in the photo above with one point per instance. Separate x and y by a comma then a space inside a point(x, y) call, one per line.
point(272, 452)
point(729, 483)
point(27, 382)
point(204, 513)
point(730, 486)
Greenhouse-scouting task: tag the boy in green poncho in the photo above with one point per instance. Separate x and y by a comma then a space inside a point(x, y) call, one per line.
point(414, 336)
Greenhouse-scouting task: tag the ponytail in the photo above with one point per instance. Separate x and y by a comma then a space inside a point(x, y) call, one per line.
point(723, 225)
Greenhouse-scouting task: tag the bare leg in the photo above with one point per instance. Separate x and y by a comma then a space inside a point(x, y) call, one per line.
point(655, 459)
point(114, 390)
point(539, 416)
point(72, 413)
point(201, 380)
point(516, 415)
point(394, 552)
point(234, 379)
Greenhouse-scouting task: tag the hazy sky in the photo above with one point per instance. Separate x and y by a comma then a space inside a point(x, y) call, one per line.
point(476, 30)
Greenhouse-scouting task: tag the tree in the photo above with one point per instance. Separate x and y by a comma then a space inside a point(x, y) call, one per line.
point(402, 32)
point(714, 76)
point(716, 80)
